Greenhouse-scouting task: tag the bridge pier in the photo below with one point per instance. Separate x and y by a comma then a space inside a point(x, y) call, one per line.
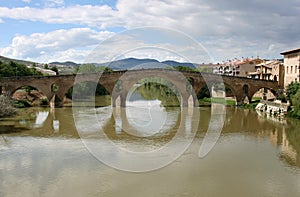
point(239, 100)
point(56, 102)
point(118, 100)
point(188, 100)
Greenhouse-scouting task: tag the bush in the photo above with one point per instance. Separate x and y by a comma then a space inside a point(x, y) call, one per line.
point(292, 89)
point(21, 104)
point(6, 107)
point(295, 113)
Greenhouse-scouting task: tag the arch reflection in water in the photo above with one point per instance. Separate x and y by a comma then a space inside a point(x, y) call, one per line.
point(145, 118)
point(132, 153)
point(41, 117)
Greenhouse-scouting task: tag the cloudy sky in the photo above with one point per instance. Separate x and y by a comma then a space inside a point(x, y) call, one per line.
point(62, 30)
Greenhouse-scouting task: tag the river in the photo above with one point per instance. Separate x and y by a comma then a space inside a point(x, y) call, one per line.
point(44, 153)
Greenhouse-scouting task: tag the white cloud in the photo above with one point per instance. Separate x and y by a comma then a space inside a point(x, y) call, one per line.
point(54, 3)
point(150, 42)
point(26, 1)
point(59, 44)
point(227, 28)
point(100, 16)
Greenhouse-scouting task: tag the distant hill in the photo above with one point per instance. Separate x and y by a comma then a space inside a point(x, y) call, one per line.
point(67, 63)
point(130, 63)
point(123, 64)
point(6, 60)
point(174, 64)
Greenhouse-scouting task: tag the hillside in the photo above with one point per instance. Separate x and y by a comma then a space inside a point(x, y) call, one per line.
point(6, 60)
point(123, 64)
point(131, 63)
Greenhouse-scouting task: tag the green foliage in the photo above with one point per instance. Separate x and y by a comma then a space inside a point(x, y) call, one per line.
point(11, 69)
point(282, 98)
point(91, 68)
point(55, 88)
point(293, 134)
point(44, 101)
point(6, 107)
point(152, 90)
point(55, 69)
point(293, 94)
point(104, 69)
point(292, 89)
point(203, 93)
point(250, 105)
point(86, 68)
point(296, 99)
point(86, 89)
point(295, 113)
point(219, 100)
point(21, 104)
point(185, 68)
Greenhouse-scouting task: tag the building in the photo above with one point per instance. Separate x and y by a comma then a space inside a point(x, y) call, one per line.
point(237, 67)
point(45, 71)
point(227, 68)
point(291, 66)
point(269, 70)
point(247, 66)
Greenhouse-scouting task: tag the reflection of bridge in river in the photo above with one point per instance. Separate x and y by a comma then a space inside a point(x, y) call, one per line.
point(240, 87)
point(236, 121)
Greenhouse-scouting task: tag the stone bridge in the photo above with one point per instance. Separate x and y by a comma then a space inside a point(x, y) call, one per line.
point(118, 84)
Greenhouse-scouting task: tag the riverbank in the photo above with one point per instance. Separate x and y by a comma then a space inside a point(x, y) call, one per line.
point(6, 107)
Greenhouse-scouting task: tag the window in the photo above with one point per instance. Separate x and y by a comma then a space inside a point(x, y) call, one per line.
point(287, 70)
point(291, 69)
point(295, 69)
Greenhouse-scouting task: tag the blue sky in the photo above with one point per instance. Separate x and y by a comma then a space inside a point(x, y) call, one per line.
point(63, 30)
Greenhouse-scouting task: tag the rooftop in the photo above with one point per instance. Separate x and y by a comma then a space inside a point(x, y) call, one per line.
point(290, 51)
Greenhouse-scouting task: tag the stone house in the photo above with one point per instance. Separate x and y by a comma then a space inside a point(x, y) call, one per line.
point(269, 70)
point(291, 66)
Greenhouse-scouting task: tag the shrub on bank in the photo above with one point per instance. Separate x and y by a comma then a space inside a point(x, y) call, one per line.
point(6, 107)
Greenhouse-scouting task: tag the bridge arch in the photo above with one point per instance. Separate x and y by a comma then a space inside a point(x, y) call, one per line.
point(85, 90)
point(130, 78)
point(265, 93)
point(29, 93)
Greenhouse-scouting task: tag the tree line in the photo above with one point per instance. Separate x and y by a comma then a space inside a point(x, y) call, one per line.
point(11, 69)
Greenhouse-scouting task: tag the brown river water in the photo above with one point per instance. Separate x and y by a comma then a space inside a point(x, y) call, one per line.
point(42, 153)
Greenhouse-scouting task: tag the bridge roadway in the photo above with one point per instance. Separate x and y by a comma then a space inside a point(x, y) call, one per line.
point(118, 84)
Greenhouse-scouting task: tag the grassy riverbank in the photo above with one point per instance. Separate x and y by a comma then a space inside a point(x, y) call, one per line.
point(228, 102)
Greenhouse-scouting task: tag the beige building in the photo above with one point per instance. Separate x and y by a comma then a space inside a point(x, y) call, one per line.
point(291, 66)
point(269, 70)
point(247, 66)
point(237, 67)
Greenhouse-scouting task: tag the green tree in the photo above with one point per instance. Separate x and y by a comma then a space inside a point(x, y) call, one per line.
point(11, 69)
point(292, 89)
point(185, 68)
point(86, 68)
point(203, 93)
point(55, 69)
point(296, 104)
point(103, 69)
